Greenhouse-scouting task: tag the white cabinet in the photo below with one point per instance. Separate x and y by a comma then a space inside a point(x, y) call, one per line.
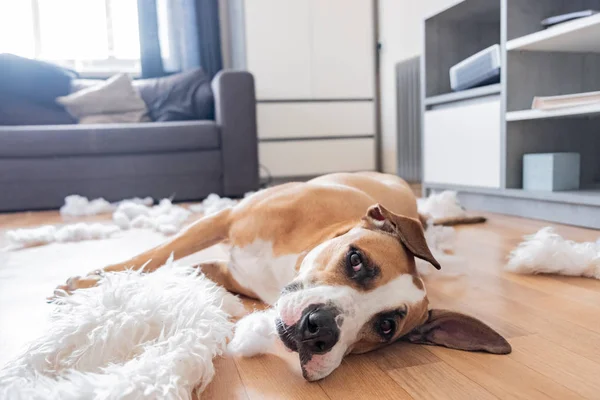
point(278, 47)
point(315, 119)
point(311, 49)
point(313, 63)
point(315, 157)
point(462, 144)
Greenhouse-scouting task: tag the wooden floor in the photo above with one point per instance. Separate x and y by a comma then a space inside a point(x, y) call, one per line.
point(553, 324)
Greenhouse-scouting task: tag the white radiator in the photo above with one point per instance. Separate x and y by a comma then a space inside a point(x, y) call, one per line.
point(408, 100)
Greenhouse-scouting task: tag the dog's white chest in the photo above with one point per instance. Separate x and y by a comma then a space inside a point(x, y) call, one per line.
point(256, 268)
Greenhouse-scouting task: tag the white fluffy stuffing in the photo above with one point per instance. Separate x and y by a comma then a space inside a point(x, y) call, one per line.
point(213, 204)
point(29, 237)
point(165, 217)
point(441, 241)
point(441, 205)
point(440, 238)
point(134, 336)
point(78, 206)
point(254, 334)
point(546, 252)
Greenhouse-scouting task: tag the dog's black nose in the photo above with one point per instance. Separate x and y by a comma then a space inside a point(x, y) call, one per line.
point(318, 331)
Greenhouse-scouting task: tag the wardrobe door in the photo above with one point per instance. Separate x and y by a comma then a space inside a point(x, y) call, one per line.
point(278, 48)
point(343, 49)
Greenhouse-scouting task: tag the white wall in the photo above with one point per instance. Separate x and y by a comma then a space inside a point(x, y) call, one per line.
point(401, 36)
point(225, 33)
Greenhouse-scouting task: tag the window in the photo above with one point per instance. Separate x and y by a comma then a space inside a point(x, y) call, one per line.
point(93, 37)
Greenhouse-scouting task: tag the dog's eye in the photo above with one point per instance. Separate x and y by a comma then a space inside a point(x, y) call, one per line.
point(355, 261)
point(358, 268)
point(386, 327)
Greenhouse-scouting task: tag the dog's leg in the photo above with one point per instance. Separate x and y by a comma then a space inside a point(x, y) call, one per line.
point(200, 235)
point(218, 272)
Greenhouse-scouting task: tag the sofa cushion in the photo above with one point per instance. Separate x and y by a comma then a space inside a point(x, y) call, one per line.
point(42, 183)
point(34, 80)
point(69, 140)
point(17, 110)
point(180, 97)
point(184, 96)
point(111, 101)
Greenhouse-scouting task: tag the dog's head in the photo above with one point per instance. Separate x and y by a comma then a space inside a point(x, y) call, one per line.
point(360, 291)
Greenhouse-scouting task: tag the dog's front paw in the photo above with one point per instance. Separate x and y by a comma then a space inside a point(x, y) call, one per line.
point(74, 283)
point(254, 334)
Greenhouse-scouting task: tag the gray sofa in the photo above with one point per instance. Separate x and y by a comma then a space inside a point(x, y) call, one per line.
point(186, 160)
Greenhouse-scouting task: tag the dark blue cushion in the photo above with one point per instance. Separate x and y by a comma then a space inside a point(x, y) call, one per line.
point(33, 80)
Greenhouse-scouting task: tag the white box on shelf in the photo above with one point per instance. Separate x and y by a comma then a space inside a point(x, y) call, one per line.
point(551, 171)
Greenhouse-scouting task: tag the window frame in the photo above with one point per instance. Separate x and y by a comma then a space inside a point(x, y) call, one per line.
point(99, 68)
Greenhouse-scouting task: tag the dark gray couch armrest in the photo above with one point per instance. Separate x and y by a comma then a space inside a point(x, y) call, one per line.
point(235, 113)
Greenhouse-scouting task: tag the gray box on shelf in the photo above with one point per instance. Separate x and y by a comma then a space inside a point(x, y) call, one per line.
point(551, 171)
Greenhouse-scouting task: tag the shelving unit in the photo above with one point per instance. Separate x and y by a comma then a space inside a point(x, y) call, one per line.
point(474, 141)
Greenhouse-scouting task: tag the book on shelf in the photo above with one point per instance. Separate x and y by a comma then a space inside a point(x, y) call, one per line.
point(564, 101)
point(559, 19)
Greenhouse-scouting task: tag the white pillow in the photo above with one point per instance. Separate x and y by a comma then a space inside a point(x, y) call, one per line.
point(114, 100)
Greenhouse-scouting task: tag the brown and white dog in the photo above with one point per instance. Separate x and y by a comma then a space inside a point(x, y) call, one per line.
point(335, 257)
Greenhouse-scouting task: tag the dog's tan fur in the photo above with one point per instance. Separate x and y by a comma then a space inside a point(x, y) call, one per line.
point(295, 217)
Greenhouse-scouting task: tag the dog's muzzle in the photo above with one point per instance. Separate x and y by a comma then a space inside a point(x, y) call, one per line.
point(315, 333)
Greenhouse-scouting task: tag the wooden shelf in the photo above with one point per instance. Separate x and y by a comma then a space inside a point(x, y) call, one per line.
point(463, 95)
point(578, 36)
point(570, 112)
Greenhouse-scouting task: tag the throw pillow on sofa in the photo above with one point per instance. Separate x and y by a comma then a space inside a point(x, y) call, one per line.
point(33, 80)
point(112, 101)
point(179, 97)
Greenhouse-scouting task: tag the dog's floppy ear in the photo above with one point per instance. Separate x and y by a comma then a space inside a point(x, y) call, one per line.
point(458, 331)
point(408, 230)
